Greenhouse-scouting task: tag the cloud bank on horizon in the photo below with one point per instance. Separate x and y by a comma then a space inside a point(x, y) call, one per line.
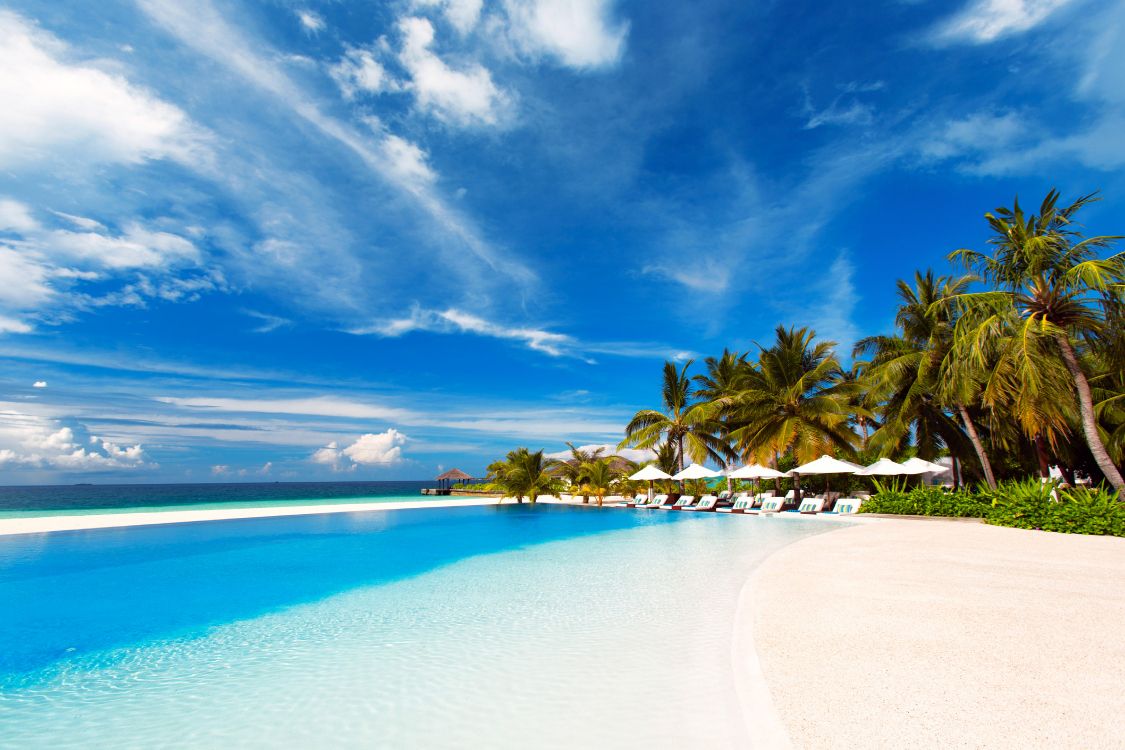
point(305, 240)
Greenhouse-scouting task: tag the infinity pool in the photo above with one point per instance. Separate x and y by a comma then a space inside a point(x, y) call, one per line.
point(492, 626)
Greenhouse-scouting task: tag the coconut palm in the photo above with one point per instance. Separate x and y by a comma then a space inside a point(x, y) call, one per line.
point(572, 470)
point(1057, 286)
point(906, 376)
point(795, 401)
point(524, 474)
point(601, 476)
point(686, 423)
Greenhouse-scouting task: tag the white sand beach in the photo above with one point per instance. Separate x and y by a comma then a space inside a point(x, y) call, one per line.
point(41, 524)
point(930, 633)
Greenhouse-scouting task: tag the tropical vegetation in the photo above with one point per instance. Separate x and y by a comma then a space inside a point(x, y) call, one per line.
point(1007, 367)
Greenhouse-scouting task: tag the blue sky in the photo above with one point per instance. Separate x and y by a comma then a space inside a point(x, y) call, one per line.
point(362, 240)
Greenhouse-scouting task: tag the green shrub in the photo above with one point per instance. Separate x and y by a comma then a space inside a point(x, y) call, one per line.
point(1032, 504)
point(1027, 504)
point(926, 501)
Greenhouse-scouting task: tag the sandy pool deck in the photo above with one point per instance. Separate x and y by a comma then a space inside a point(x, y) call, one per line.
point(938, 634)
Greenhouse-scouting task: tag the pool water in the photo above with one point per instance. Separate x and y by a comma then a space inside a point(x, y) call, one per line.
point(492, 626)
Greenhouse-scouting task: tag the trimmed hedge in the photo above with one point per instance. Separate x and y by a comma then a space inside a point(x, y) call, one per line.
point(1029, 504)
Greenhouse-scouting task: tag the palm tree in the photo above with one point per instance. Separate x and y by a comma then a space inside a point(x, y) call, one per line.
point(573, 469)
point(687, 424)
point(906, 375)
point(524, 474)
point(795, 401)
point(601, 476)
point(1058, 287)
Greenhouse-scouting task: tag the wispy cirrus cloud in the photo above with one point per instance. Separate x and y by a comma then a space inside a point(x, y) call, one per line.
point(551, 343)
point(203, 28)
point(985, 21)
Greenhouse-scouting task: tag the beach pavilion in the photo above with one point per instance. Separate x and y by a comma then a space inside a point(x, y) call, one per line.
point(445, 481)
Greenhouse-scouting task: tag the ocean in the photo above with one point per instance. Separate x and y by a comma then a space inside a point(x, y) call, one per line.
point(75, 499)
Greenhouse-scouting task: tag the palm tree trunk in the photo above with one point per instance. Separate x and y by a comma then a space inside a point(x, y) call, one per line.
point(1089, 420)
point(680, 445)
point(978, 446)
point(1041, 454)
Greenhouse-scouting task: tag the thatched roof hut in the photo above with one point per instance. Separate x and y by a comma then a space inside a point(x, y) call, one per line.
point(454, 475)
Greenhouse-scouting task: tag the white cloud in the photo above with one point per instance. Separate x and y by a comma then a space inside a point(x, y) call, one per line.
point(463, 15)
point(44, 266)
point(200, 26)
point(855, 113)
point(407, 160)
point(76, 112)
point(836, 300)
point(984, 21)
point(973, 134)
point(358, 71)
point(11, 325)
point(577, 33)
point(220, 470)
point(382, 449)
point(704, 275)
point(33, 441)
point(310, 21)
point(39, 384)
point(16, 217)
point(454, 320)
point(462, 97)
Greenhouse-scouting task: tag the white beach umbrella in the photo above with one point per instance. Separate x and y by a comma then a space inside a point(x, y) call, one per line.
point(649, 474)
point(695, 471)
point(885, 467)
point(927, 467)
point(825, 465)
point(756, 471)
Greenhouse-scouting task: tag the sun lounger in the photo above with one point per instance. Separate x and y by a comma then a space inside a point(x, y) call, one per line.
point(706, 503)
point(773, 504)
point(742, 502)
point(848, 505)
point(656, 502)
point(683, 502)
point(811, 505)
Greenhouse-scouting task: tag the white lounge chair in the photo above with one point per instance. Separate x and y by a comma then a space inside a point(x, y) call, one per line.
point(706, 503)
point(772, 504)
point(683, 502)
point(742, 503)
point(848, 505)
point(656, 501)
point(811, 505)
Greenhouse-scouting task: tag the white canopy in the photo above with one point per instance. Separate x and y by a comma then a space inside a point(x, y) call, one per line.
point(927, 467)
point(885, 467)
point(695, 471)
point(649, 473)
point(826, 465)
point(756, 471)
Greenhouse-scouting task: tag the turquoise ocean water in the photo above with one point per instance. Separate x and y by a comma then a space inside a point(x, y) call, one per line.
point(17, 502)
